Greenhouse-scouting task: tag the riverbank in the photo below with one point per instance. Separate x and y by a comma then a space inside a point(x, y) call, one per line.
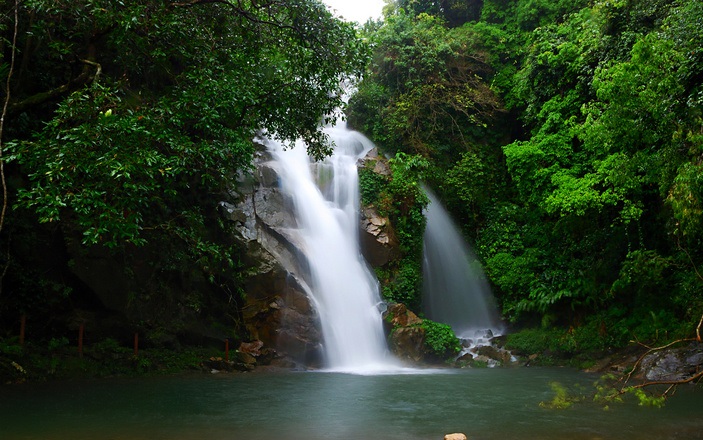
point(57, 360)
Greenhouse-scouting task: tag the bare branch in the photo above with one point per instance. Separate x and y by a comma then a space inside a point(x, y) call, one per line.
point(673, 383)
point(651, 350)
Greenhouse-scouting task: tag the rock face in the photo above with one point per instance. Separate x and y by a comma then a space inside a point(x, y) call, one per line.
point(278, 311)
point(673, 364)
point(378, 242)
point(406, 338)
point(378, 245)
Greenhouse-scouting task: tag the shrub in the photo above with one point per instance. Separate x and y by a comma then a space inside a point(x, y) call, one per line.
point(440, 338)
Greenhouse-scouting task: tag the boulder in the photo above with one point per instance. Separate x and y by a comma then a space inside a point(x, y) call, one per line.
point(503, 357)
point(378, 243)
point(398, 315)
point(408, 344)
point(375, 162)
point(673, 364)
point(455, 436)
point(253, 348)
point(406, 337)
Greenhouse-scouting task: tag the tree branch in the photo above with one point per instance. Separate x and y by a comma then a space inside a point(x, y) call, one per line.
point(4, 114)
point(673, 383)
point(670, 382)
point(73, 84)
point(306, 38)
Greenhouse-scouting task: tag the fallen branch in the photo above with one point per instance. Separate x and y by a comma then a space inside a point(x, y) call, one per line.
point(672, 383)
point(669, 382)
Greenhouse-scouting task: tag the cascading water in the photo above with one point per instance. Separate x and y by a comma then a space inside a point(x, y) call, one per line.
point(455, 291)
point(346, 294)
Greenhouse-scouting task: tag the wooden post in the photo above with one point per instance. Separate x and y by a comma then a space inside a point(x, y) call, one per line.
point(227, 350)
point(23, 323)
point(136, 344)
point(80, 339)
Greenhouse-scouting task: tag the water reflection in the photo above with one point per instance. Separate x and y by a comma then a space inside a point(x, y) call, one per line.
point(485, 404)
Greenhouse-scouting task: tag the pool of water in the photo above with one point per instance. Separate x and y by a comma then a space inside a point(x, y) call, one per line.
point(482, 403)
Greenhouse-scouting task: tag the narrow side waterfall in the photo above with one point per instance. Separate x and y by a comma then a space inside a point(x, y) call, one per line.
point(455, 291)
point(326, 203)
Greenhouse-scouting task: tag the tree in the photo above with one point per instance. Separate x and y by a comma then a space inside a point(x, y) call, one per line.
point(426, 92)
point(149, 99)
point(128, 121)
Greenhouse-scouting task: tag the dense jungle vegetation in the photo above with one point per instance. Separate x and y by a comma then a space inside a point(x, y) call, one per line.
point(124, 124)
point(566, 137)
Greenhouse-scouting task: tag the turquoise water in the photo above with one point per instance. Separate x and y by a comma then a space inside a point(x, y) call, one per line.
point(482, 403)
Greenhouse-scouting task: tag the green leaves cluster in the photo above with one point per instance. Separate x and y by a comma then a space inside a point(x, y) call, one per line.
point(130, 119)
point(425, 92)
point(169, 101)
point(440, 338)
point(574, 163)
point(400, 197)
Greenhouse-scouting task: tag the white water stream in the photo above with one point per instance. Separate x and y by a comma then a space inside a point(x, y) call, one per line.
point(455, 290)
point(325, 197)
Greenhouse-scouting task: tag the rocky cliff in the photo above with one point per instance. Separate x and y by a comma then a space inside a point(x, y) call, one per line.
point(278, 310)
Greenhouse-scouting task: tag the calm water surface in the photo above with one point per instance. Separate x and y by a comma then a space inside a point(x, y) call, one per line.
point(483, 403)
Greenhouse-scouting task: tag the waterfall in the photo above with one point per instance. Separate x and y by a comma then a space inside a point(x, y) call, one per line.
point(325, 198)
point(455, 291)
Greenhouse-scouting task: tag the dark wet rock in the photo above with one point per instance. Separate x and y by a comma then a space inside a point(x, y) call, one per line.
point(503, 357)
point(673, 364)
point(398, 315)
point(253, 348)
point(244, 358)
point(278, 312)
point(406, 336)
point(408, 344)
point(218, 365)
point(377, 240)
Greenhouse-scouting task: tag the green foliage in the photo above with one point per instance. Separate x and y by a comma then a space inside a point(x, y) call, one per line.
point(10, 347)
point(609, 390)
point(646, 399)
point(584, 198)
point(563, 398)
point(425, 92)
point(371, 184)
point(440, 338)
point(117, 155)
point(129, 122)
point(403, 200)
point(532, 341)
point(57, 343)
